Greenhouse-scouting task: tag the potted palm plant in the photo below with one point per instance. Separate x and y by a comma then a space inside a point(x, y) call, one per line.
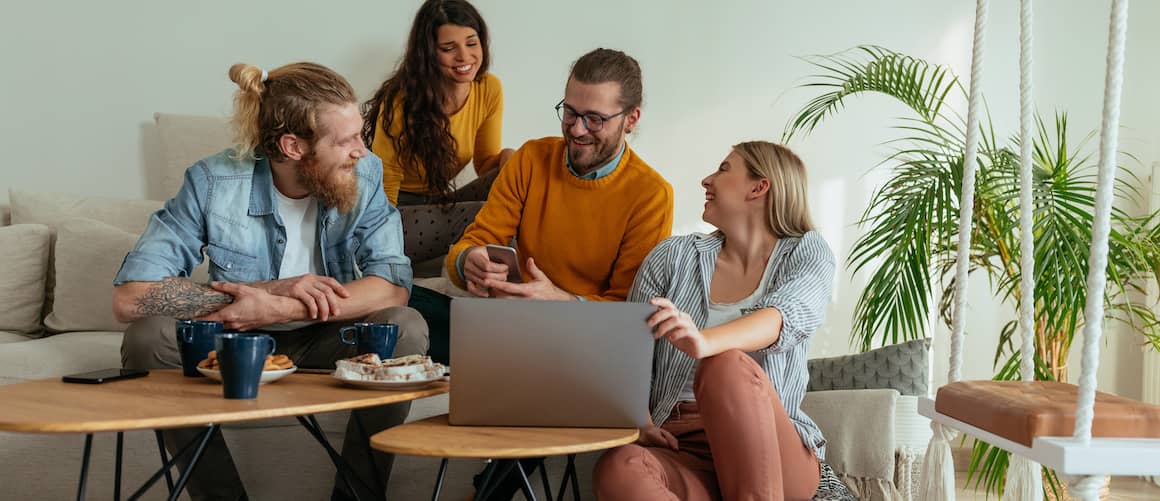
point(911, 224)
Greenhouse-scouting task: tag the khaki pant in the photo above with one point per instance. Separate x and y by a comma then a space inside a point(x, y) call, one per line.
point(735, 443)
point(151, 343)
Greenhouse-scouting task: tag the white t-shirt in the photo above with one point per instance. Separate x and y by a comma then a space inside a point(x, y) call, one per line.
point(301, 254)
point(720, 313)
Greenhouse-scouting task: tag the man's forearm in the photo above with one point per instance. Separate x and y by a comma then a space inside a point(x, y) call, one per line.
point(173, 297)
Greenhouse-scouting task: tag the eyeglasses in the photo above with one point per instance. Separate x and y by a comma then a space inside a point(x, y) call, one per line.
point(593, 121)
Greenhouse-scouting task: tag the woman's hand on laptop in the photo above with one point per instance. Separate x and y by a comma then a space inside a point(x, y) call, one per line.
point(678, 328)
point(653, 436)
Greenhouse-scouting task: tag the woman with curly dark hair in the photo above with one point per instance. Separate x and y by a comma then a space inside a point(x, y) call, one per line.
point(440, 110)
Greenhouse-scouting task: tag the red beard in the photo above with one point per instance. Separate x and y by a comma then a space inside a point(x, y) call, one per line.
point(336, 186)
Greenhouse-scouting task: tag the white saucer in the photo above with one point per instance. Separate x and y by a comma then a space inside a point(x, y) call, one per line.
point(267, 376)
point(392, 385)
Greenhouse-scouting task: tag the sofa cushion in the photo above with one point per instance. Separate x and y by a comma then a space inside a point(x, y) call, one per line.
point(24, 258)
point(901, 367)
point(59, 355)
point(88, 255)
point(12, 337)
point(51, 209)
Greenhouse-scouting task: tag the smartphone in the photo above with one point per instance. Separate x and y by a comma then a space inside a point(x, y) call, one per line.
point(506, 255)
point(104, 376)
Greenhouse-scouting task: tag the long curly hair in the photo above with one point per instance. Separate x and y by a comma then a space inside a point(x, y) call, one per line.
point(425, 138)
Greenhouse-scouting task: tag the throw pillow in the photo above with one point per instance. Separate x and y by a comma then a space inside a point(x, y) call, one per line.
point(52, 209)
point(88, 255)
point(24, 259)
point(901, 367)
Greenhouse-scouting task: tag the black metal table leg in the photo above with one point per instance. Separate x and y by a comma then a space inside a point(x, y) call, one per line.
point(544, 477)
point(199, 441)
point(497, 470)
point(164, 459)
point(570, 474)
point(117, 475)
point(527, 487)
point(85, 467)
point(192, 463)
point(344, 470)
point(439, 480)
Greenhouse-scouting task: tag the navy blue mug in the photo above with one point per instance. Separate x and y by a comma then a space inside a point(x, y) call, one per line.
point(194, 341)
point(240, 358)
point(371, 338)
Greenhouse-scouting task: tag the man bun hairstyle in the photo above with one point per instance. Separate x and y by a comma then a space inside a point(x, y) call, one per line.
point(286, 100)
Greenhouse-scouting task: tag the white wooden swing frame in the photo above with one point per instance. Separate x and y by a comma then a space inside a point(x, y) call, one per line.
point(1081, 460)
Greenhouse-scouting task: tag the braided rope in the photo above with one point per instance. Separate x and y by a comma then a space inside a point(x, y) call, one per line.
point(1098, 256)
point(1026, 195)
point(1025, 481)
point(967, 200)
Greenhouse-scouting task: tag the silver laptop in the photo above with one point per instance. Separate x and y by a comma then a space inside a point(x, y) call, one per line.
point(550, 363)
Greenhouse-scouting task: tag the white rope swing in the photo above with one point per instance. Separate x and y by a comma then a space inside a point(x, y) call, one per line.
point(1025, 480)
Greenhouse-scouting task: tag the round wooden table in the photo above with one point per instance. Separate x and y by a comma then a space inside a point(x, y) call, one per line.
point(435, 437)
point(166, 399)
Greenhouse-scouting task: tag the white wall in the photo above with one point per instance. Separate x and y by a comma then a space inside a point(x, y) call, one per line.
point(82, 79)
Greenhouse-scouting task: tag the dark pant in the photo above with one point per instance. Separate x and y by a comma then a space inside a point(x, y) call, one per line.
point(151, 343)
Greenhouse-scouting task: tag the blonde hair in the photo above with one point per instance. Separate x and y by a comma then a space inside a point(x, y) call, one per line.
point(789, 214)
point(285, 101)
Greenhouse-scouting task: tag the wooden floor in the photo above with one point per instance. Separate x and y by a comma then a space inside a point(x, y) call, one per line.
point(1123, 489)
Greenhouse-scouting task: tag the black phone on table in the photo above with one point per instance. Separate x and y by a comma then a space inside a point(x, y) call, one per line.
point(104, 376)
point(506, 255)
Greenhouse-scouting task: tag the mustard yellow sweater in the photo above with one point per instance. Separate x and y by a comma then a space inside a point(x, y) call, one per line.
point(477, 129)
point(589, 237)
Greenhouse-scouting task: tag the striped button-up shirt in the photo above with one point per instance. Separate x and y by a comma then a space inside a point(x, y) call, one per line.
point(681, 269)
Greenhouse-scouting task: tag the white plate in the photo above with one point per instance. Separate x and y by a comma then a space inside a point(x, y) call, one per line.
point(391, 385)
point(267, 376)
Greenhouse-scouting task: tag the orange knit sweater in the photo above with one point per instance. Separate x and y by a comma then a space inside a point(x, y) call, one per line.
point(589, 237)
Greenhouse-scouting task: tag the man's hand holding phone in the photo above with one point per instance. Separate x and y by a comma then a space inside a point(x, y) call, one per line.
point(480, 271)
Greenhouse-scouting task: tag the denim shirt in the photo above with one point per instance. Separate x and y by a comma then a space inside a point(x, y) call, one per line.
point(227, 209)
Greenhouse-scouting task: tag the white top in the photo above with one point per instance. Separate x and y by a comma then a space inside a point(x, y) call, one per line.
point(301, 254)
point(720, 313)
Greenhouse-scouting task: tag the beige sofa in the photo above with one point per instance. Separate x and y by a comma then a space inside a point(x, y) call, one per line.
point(59, 254)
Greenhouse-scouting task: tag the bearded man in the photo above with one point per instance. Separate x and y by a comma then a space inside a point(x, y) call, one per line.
point(301, 242)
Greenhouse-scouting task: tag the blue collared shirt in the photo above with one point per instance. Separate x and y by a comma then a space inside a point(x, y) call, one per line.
point(227, 208)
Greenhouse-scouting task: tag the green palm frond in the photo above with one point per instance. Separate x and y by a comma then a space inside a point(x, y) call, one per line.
point(868, 68)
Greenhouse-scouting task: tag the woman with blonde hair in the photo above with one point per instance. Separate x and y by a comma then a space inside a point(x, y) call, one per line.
point(735, 313)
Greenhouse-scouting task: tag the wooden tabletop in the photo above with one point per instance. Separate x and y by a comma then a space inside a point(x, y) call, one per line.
point(435, 437)
point(166, 399)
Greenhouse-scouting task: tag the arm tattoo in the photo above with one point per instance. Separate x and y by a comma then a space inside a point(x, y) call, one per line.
point(181, 298)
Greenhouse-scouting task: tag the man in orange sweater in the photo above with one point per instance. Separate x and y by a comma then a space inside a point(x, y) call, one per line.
point(583, 209)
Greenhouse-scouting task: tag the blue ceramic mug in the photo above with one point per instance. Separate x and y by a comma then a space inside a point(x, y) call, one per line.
point(240, 358)
point(371, 338)
point(194, 341)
